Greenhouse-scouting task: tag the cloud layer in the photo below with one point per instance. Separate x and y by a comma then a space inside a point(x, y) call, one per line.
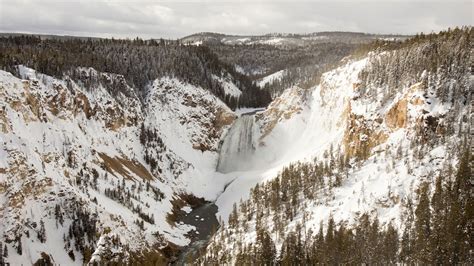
point(173, 19)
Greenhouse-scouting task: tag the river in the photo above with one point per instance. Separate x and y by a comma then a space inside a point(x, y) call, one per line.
point(206, 223)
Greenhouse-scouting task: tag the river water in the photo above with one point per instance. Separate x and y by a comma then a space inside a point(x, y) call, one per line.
point(206, 223)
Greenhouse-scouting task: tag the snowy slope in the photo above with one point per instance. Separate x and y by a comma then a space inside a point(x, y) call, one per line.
point(270, 78)
point(298, 125)
point(229, 87)
point(302, 125)
point(63, 146)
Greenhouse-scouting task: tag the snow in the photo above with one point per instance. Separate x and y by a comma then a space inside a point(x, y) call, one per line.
point(186, 209)
point(271, 41)
point(26, 141)
point(229, 87)
point(267, 40)
point(252, 71)
point(378, 186)
point(315, 38)
point(239, 69)
point(195, 43)
point(271, 78)
point(233, 41)
point(164, 106)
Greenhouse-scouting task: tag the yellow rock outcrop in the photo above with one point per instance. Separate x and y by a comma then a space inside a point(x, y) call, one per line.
point(396, 117)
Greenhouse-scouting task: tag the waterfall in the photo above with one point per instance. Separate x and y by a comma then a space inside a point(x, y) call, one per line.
point(238, 146)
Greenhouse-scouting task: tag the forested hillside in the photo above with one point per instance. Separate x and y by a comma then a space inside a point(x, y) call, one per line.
point(435, 230)
point(391, 186)
point(302, 57)
point(139, 61)
point(303, 64)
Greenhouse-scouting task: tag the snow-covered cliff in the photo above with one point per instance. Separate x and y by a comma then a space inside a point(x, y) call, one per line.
point(361, 142)
point(81, 164)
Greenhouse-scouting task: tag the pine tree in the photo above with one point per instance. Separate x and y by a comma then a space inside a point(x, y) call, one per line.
point(329, 242)
point(438, 240)
point(300, 250)
point(422, 227)
point(240, 259)
point(362, 241)
point(288, 255)
point(266, 252)
point(1, 254)
point(19, 249)
point(406, 253)
point(42, 232)
point(318, 247)
point(461, 212)
point(234, 217)
point(390, 245)
point(87, 253)
point(341, 245)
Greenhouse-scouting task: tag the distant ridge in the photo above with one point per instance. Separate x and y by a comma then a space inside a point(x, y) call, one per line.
point(287, 39)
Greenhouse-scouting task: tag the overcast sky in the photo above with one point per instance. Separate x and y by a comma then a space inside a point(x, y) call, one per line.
point(173, 19)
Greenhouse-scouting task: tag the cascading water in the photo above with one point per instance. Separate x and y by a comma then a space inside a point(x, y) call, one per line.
point(238, 146)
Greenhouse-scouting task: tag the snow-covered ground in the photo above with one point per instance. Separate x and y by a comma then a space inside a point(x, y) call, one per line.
point(271, 78)
point(246, 110)
point(52, 132)
point(229, 87)
point(380, 184)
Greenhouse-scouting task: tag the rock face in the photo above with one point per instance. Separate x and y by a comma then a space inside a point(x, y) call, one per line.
point(396, 117)
point(223, 118)
point(86, 159)
point(361, 136)
point(284, 107)
point(202, 116)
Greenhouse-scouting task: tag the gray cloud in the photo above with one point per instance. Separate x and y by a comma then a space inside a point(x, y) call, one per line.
point(172, 19)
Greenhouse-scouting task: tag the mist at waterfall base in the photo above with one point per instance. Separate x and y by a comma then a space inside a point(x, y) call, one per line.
point(238, 147)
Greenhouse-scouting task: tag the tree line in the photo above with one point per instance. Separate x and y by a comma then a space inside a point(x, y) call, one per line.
point(139, 61)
